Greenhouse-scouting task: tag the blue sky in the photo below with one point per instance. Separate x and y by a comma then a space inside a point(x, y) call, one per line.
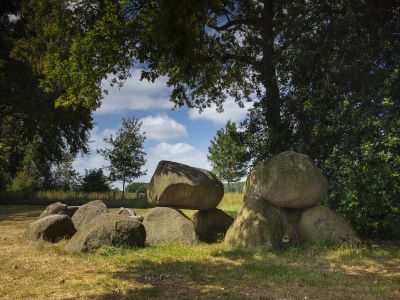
point(181, 135)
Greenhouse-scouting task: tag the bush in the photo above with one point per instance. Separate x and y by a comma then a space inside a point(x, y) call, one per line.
point(95, 181)
point(23, 182)
point(366, 190)
point(137, 187)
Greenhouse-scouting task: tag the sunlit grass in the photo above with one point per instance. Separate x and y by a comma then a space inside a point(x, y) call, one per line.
point(43, 270)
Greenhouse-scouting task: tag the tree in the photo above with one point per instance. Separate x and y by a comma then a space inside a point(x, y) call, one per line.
point(228, 154)
point(64, 176)
point(324, 76)
point(94, 180)
point(126, 155)
point(29, 120)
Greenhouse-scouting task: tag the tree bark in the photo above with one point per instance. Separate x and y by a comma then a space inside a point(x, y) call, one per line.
point(271, 102)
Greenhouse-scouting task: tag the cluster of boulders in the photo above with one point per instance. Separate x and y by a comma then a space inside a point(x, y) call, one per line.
point(88, 227)
point(174, 186)
point(281, 206)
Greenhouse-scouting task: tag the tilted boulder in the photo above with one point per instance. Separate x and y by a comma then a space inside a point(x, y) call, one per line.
point(88, 212)
point(211, 225)
point(108, 229)
point(258, 225)
point(168, 225)
point(287, 180)
point(181, 186)
point(57, 208)
point(320, 224)
point(50, 228)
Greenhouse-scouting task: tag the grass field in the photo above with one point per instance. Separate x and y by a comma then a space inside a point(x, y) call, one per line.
point(44, 271)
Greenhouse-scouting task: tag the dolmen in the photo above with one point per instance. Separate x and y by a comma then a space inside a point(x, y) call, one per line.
point(176, 186)
point(87, 227)
point(282, 198)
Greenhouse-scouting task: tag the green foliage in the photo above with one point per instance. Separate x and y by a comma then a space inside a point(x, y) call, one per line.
point(126, 155)
point(29, 120)
point(23, 183)
point(138, 187)
point(64, 176)
point(228, 154)
point(325, 84)
point(94, 181)
point(234, 187)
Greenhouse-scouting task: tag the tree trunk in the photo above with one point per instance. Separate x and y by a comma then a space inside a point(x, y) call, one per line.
point(271, 102)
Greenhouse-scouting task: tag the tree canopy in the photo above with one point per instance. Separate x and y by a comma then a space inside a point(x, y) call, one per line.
point(29, 119)
point(324, 77)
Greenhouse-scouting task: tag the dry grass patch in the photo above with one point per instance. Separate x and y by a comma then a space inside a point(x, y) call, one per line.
point(42, 270)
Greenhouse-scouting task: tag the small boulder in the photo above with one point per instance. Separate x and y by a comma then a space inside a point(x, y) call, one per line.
point(126, 212)
point(258, 225)
point(181, 186)
point(168, 225)
point(51, 228)
point(211, 225)
point(57, 208)
point(88, 212)
point(71, 210)
point(287, 180)
point(107, 229)
point(320, 224)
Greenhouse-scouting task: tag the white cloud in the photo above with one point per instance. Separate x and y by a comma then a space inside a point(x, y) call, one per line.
point(93, 160)
point(136, 95)
point(232, 111)
point(162, 128)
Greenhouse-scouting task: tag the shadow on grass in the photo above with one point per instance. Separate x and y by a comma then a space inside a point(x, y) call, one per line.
point(20, 212)
point(242, 274)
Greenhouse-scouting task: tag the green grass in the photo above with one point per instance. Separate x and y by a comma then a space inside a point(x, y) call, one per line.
point(370, 271)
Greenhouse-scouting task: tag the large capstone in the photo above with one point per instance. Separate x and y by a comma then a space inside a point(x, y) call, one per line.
point(321, 224)
point(211, 225)
point(287, 180)
point(108, 229)
point(258, 225)
point(168, 225)
point(57, 208)
point(181, 186)
point(88, 212)
point(51, 228)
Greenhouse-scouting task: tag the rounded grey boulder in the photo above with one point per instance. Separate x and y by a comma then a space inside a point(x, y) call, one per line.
point(50, 228)
point(320, 224)
point(126, 212)
point(287, 180)
point(258, 225)
point(181, 186)
point(168, 225)
point(88, 212)
point(108, 229)
point(54, 209)
point(211, 225)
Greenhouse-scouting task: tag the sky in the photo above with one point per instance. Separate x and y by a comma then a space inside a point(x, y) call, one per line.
point(181, 135)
